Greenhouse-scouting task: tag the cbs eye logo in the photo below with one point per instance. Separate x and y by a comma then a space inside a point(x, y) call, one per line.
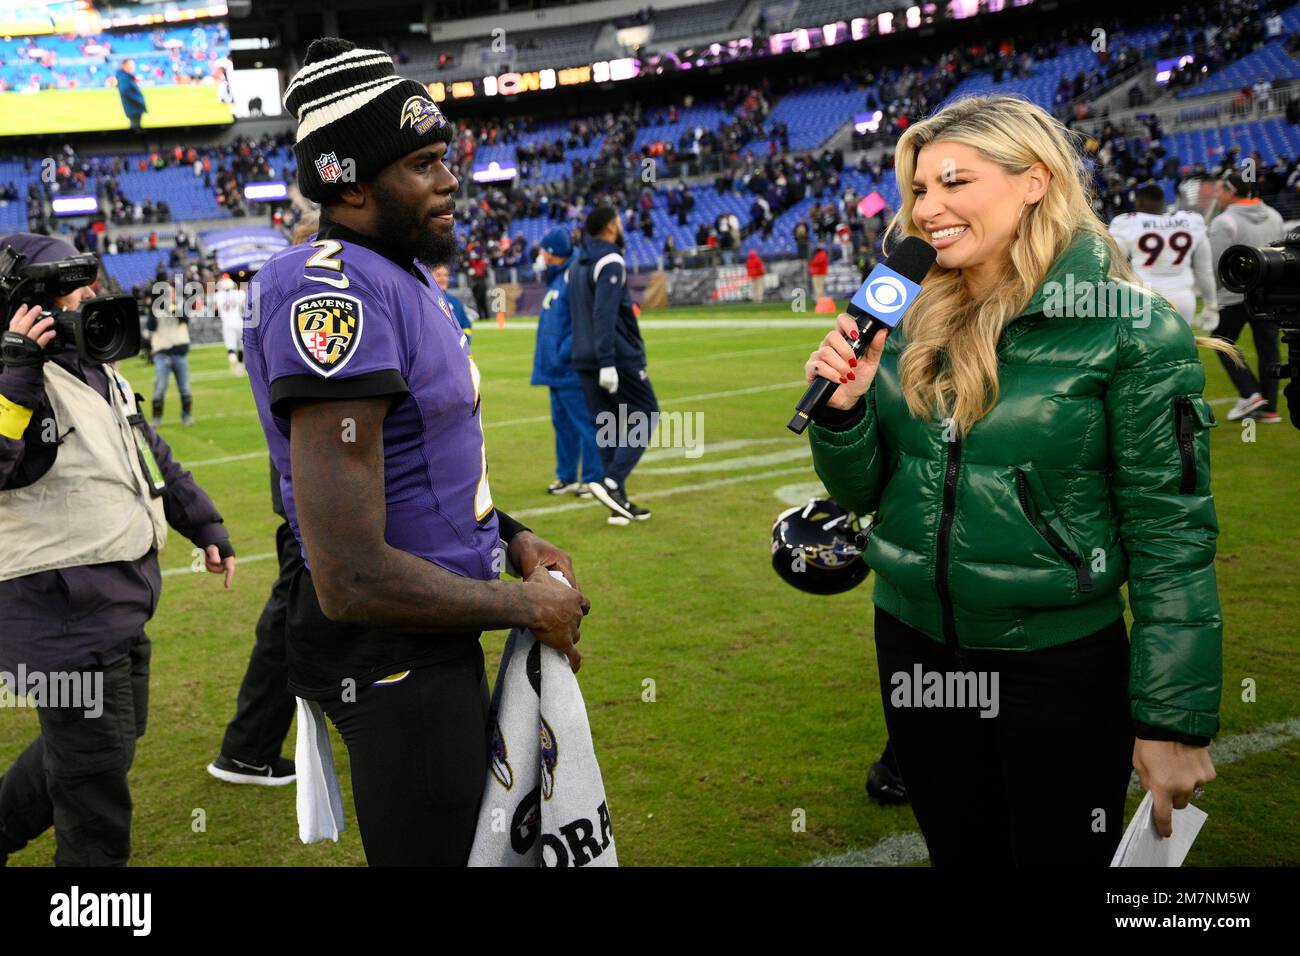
point(886, 295)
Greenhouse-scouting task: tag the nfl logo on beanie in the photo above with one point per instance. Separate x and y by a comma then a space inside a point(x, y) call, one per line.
point(329, 168)
point(355, 116)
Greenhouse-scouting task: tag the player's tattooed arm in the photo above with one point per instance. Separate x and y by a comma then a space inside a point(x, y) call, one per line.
point(361, 579)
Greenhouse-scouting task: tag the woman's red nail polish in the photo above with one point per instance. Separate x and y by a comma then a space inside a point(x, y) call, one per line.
point(853, 363)
point(843, 380)
point(851, 376)
point(853, 333)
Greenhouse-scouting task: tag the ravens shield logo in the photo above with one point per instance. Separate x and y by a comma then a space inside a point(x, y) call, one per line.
point(326, 330)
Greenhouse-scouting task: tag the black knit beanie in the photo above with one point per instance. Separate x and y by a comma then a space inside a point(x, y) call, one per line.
point(355, 116)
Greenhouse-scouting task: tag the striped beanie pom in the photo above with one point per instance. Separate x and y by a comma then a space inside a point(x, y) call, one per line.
point(355, 116)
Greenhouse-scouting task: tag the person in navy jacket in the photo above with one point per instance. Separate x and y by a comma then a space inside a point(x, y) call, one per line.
point(128, 88)
point(575, 435)
point(609, 354)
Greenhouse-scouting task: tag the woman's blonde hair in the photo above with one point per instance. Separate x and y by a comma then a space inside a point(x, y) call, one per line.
point(305, 226)
point(950, 364)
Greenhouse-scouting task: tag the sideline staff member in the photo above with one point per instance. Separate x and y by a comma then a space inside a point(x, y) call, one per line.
point(79, 576)
point(1023, 462)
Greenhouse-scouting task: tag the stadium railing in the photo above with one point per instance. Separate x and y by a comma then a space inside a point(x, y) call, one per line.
point(1214, 110)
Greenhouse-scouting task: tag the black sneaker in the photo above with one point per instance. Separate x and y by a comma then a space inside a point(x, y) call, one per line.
point(884, 785)
point(277, 773)
point(638, 514)
point(611, 494)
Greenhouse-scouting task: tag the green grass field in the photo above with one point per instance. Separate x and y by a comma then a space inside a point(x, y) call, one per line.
point(767, 699)
point(83, 111)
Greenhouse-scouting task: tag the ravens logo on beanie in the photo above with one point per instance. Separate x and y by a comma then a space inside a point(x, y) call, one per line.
point(355, 115)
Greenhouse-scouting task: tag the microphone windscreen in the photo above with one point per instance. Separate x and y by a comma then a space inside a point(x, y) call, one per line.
point(912, 258)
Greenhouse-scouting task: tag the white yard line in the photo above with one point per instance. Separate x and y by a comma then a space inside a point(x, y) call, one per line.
point(702, 397)
point(663, 493)
point(239, 560)
point(225, 459)
point(728, 464)
point(902, 849)
point(822, 322)
point(575, 506)
point(661, 454)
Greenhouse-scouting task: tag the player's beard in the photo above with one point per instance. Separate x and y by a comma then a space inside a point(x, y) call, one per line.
point(412, 231)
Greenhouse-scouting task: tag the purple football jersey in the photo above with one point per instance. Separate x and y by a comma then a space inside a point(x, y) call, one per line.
point(338, 319)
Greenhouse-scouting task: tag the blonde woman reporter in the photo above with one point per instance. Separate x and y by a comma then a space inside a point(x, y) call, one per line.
point(1030, 438)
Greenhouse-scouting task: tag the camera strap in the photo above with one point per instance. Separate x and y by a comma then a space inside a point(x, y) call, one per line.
point(148, 463)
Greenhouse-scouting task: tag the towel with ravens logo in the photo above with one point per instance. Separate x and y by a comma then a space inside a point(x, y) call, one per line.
point(544, 802)
point(344, 317)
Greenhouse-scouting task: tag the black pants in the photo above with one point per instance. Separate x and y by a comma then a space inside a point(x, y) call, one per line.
point(265, 708)
point(418, 749)
point(1040, 784)
point(1234, 318)
point(637, 398)
point(73, 776)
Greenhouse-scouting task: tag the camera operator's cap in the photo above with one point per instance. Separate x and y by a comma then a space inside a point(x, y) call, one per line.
point(39, 249)
point(355, 114)
point(1244, 189)
point(557, 243)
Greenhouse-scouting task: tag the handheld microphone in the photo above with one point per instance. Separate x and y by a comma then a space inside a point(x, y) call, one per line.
point(881, 303)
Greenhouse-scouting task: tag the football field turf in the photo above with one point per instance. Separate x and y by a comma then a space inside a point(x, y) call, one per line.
point(766, 701)
point(78, 111)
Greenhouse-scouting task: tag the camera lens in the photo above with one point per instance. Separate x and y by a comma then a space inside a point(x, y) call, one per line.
point(102, 335)
point(1240, 267)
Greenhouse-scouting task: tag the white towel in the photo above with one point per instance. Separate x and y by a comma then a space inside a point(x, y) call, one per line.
point(544, 804)
point(320, 804)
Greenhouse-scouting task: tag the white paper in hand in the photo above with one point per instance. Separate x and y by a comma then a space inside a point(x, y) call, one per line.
point(1143, 846)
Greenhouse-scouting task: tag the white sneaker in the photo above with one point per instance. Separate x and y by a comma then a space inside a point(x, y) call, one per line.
point(1245, 406)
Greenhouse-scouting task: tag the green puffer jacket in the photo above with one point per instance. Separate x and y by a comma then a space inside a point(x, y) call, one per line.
point(1092, 469)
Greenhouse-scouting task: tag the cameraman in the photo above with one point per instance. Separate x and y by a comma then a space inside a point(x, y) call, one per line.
point(1243, 218)
point(79, 574)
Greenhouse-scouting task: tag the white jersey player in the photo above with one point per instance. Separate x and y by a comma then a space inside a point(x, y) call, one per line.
point(231, 302)
point(1170, 253)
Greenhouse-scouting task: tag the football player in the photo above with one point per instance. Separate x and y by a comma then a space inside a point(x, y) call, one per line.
point(370, 404)
point(1170, 252)
point(231, 303)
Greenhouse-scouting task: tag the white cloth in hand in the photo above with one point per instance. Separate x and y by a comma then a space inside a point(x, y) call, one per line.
point(609, 379)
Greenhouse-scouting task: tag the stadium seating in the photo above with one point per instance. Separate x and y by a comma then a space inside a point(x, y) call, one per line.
point(203, 45)
point(710, 19)
point(184, 192)
point(13, 215)
point(1041, 86)
point(135, 268)
point(708, 114)
point(1270, 62)
point(813, 115)
point(813, 13)
point(1272, 137)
